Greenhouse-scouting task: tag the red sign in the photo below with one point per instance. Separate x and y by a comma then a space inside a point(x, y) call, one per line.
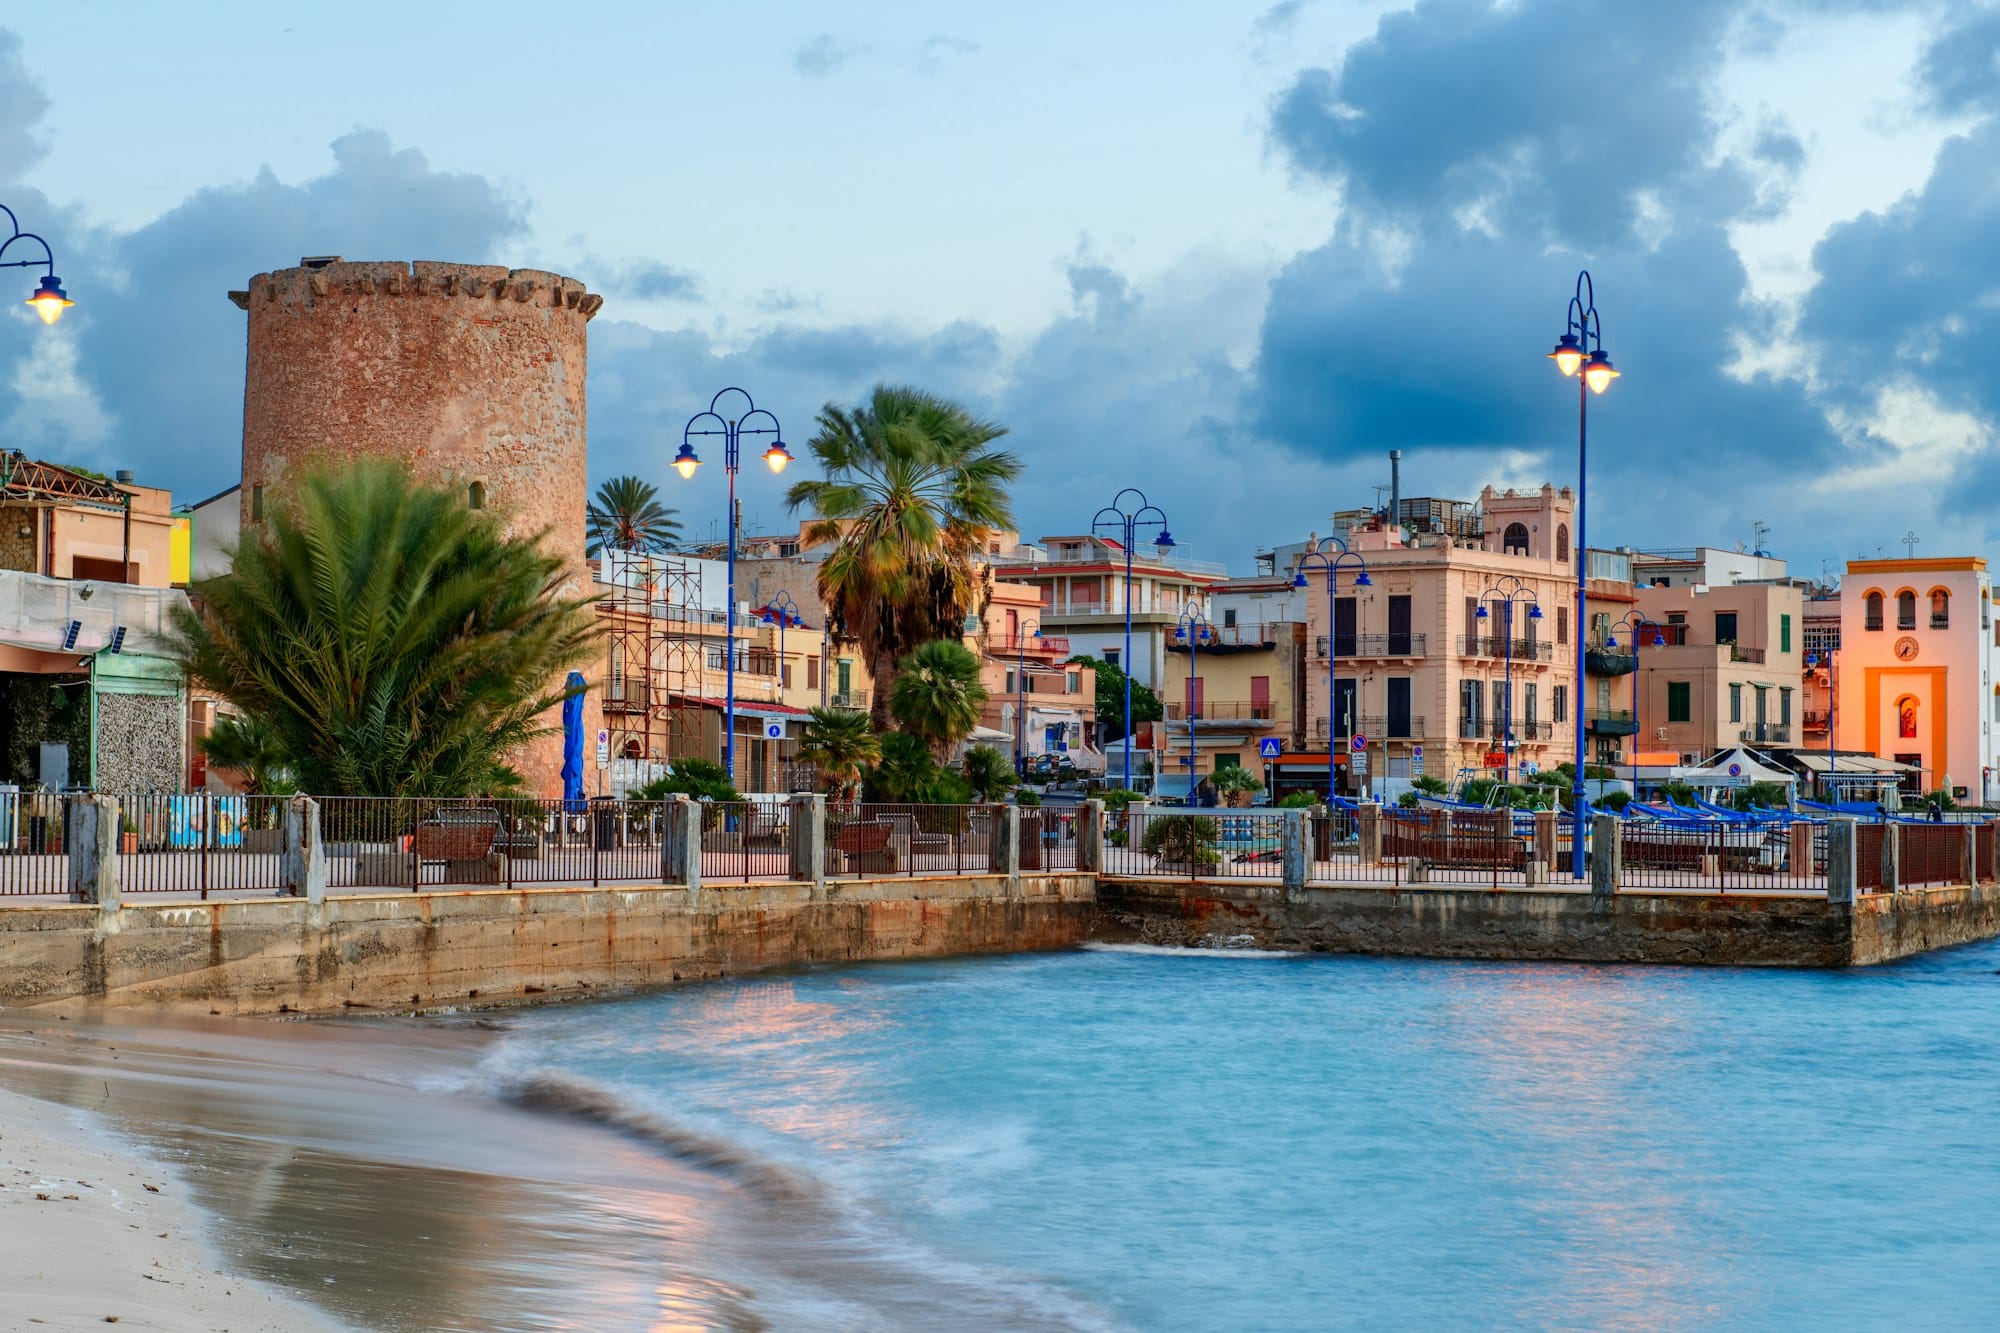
point(1496, 759)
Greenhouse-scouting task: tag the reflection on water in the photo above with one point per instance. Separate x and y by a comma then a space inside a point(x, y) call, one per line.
point(1097, 1140)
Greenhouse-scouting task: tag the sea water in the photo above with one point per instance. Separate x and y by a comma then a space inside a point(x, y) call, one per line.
point(1109, 1138)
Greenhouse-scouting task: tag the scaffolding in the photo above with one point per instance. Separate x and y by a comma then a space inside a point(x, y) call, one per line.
point(653, 686)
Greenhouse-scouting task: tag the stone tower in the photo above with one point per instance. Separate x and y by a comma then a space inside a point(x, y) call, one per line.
point(471, 374)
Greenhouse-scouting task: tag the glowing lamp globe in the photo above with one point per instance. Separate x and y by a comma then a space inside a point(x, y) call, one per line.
point(777, 456)
point(1568, 355)
point(1599, 372)
point(686, 461)
point(50, 300)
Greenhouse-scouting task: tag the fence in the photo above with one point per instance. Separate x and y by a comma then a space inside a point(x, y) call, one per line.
point(1780, 855)
point(1218, 844)
point(418, 842)
point(194, 843)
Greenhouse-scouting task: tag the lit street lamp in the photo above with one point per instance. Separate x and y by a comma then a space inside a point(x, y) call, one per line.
point(49, 299)
point(1509, 591)
point(1114, 518)
point(732, 429)
point(1636, 625)
point(1581, 348)
point(1318, 557)
point(1193, 629)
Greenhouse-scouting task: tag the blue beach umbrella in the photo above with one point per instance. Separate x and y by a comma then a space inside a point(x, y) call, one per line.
point(572, 768)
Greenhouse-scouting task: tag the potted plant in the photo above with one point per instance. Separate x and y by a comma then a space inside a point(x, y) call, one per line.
point(128, 836)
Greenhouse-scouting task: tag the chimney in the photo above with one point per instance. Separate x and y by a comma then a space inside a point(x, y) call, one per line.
point(1396, 490)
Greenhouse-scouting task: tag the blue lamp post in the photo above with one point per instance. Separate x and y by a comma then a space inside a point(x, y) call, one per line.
point(1635, 626)
point(1581, 349)
point(1509, 591)
point(742, 419)
point(783, 612)
point(1322, 556)
point(1193, 629)
point(49, 299)
point(1123, 525)
point(1031, 630)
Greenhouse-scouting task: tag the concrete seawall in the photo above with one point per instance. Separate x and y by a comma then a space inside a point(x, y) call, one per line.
point(414, 950)
point(1628, 927)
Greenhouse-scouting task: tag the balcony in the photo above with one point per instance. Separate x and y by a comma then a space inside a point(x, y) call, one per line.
point(1611, 722)
point(1364, 647)
point(854, 701)
point(1375, 729)
point(1488, 729)
point(1738, 653)
point(1032, 645)
point(1602, 661)
point(1525, 650)
point(1767, 734)
point(1213, 710)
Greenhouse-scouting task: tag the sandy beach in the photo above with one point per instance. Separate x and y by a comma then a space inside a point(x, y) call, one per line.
point(94, 1234)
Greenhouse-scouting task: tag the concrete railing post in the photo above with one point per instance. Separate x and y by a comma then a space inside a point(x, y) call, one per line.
point(93, 851)
point(1968, 855)
point(1545, 838)
point(684, 843)
point(1090, 837)
point(1296, 852)
point(1892, 856)
point(808, 825)
point(1607, 855)
point(305, 853)
point(1010, 849)
point(1840, 860)
point(1368, 832)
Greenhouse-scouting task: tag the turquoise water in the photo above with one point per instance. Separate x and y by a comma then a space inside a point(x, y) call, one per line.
point(1134, 1139)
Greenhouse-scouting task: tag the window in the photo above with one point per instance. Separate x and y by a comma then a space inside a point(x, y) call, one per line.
point(787, 550)
point(1940, 609)
point(812, 673)
point(1559, 703)
point(1906, 609)
point(1468, 706)
point(1735, 703)
point(1472, 618)
point(1528, 702)
point(1260, 696)
point(1784, 707)
point(1111, 656)
point(475, 495)
point(1562, 541)
point(1562, 625)
point(1680, 701)
point(1603, 695)
point(257, 501)
point(1725, 627)
point(1600, 626)
point(1229, 619)
point(1872, 615)
point(1784, 634)
point(1011, 686)
point(1515, 540)
point(1500, 711)
point(787, 675)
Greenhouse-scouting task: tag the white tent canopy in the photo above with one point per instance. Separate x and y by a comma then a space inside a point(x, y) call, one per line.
point(1735, 768)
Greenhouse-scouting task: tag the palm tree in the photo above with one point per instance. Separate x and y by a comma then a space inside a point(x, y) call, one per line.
point(251, 747)
point(937, 693)
point(988, 772)
point(840, 744)
point(389, 639)
point(627, 516)
point(909, 493)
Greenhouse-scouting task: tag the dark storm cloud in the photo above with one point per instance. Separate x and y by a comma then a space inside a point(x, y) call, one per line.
point(1960, 70)
point(650, 280)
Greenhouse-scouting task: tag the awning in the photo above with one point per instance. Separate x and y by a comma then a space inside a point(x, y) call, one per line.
point(1849, 763)
point(989, 734)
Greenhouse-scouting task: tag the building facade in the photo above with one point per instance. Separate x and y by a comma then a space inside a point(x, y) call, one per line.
point(1081, 581)
point(1729, 671)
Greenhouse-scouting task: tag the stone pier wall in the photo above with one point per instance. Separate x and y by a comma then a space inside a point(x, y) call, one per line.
point(418, 950)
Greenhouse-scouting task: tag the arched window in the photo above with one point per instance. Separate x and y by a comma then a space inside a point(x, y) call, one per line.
point(1515, 540)
point(1906, 609)
point(475, 495)
point(1906, 717)
point(1873, 604)
point(1562, 542)
point(1940, 609)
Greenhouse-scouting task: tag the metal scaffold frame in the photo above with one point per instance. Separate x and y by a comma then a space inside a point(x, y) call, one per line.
point(653, 687)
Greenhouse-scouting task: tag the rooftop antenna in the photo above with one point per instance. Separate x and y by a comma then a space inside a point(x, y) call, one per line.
point(1910, 539)
point(1759, 530)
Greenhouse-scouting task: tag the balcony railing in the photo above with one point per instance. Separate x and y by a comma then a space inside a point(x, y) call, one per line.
point(1486, 728)
point(1738, 653)
point(1602, 661)
point(1767, 734)
point(1221, 710)
point(1611, 722)
point(1361, 646)
point(855, 701)
point(1374, 728)
point(1525, 650)
point(1014, 645)
point(1814, 721)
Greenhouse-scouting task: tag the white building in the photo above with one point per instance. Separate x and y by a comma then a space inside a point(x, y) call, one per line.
point(1082, 586)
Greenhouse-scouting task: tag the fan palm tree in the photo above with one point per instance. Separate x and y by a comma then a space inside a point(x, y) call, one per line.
point(627, 516)
point(937, 693)
point(988, 772)
point(910, 491)
point(388, 639)
point(840, 744)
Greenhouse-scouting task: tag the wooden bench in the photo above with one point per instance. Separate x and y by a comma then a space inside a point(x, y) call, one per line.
point(868, 849)
point(465, 847)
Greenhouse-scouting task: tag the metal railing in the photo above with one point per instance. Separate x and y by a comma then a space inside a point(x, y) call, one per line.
point(1376, 727)
point(1767, 733)
point(1373, 645)
point(1525, 650)
point(1209, 844)
point(854, 701)
point(401, 842)
point(1223, 710)
point(873, 839)
point(1725, 858)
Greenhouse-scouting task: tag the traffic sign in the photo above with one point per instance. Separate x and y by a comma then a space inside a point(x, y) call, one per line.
point(1360, 764)
point(1416, 752)
point(1271, 747)
point(775, 730)
point(1359, 744)
point(603, 749)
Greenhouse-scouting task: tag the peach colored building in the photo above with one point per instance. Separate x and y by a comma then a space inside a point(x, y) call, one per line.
point(1913, 679)
point(1045, 704)
point(1422, 677)
point(68, 525)
point(1729, 672)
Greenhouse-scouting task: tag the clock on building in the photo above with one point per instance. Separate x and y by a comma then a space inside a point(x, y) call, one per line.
point(1906, 649)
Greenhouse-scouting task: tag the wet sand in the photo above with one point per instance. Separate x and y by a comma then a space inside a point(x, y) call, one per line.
point(93, 1233)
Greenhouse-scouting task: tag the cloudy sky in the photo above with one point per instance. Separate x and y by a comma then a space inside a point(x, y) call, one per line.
point(1232, 256)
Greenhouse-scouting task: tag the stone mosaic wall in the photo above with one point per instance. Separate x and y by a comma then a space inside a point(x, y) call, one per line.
point(139, 744)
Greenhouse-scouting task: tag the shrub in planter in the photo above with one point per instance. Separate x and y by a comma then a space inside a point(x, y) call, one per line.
point(1187, 841)
point(1299, 800)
